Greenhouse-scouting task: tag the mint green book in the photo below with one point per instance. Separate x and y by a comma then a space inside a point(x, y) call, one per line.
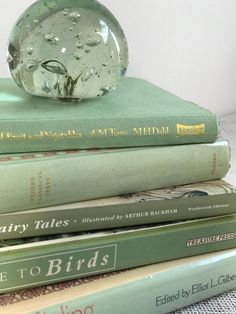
point(136, 114)
point(39, 261)
point(31, 181)
point(158, 288)
point(206, 199)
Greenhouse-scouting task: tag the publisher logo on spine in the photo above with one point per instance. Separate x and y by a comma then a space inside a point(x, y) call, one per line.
point(190, 130)
point(211, 239)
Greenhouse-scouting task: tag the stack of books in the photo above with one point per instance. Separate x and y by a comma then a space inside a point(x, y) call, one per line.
point(112, 205)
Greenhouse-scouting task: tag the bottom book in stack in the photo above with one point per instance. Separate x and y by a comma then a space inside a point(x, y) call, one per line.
point(158, 288)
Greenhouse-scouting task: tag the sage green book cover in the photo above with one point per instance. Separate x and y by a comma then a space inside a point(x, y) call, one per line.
point(158, 288)
point(34, 180)
point(206, 199)
point(136, 114)
point(40, 261)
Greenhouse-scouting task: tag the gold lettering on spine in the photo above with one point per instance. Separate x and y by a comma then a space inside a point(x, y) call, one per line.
point(6, 136)
point(75, 134)
point(48, 187)
point(40, 188)
point(190, 130)
point(32, 189)
point(60, 135)
point(150, 131)
point(108, 132)
point(214, 164)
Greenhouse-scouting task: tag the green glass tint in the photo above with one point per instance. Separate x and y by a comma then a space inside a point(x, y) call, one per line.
point(67, 49)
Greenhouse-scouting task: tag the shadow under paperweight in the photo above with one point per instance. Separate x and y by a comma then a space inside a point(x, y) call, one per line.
point(67, 49)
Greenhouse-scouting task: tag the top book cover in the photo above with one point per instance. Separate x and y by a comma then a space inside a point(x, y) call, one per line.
point(137, 113)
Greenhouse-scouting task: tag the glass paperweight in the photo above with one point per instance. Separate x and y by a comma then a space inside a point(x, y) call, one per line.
point(67, 49)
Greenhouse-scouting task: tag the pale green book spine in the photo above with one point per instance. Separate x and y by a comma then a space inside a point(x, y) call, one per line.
point(143, 131)
point(135, 114)
point(40, 180)
point(199, 200)
point(39, 261)
point(161, 292)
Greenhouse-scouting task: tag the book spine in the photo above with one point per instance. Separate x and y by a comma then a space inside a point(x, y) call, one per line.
point(35, 265)
point(56, 221)
point(49, 135)
point(41, 182)
point(160, 293)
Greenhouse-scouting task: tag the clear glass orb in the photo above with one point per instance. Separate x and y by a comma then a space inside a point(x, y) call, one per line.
point(67, 49)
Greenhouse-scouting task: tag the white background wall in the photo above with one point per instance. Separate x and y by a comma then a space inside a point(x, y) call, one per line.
point(185, 46)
